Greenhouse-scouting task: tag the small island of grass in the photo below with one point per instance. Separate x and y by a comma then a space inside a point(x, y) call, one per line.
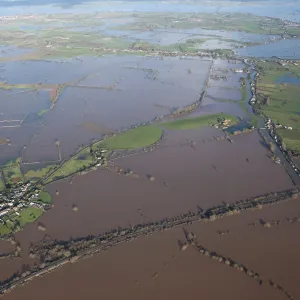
point(203, 121)
point(139, 137)
point(136, 138)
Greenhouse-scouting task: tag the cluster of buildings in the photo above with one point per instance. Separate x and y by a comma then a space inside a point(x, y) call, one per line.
point(5, 19)
point(99, 155)
point(270, 126)
point(21, 196)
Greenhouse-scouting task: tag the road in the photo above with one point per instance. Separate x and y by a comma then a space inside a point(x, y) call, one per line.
point(287, 166)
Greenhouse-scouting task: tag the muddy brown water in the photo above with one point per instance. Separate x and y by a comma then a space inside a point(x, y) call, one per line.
point(186, 178)
point(212, 106)
point(142, 88)
point(148, 268)
point(271, 252)
point(23, 109)
point(197, 170)
point(106, 200)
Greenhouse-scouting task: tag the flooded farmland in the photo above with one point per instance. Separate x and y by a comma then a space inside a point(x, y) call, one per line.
point(139, 150)
point(159, 267)
point(93, 96)
point(180, 185)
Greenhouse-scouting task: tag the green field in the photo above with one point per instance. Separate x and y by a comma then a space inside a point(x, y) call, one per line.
point(2, 186)
point(230, 22)
point(65, 40)
point(12, 172)
point(28, 215)
point(4, 230)
point(142, 136)
point(203, 121)
point(15, 223)
point(44, 197)
point(254, 120)
point(76, 164)
point(291, 139)
point(136, 138)
point(280, 101)
point(38, 174)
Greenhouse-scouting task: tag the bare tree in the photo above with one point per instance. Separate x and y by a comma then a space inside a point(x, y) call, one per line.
point(272, 147)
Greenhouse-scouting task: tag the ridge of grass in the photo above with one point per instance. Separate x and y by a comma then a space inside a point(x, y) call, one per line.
point(202, 121)
point(136, 138)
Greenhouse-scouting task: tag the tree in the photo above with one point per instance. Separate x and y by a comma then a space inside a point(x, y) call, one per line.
point(283, 146)
point(272, 147)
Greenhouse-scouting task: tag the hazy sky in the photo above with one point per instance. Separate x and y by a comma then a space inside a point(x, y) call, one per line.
point(70, 3)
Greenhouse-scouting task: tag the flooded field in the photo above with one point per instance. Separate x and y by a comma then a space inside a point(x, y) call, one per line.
point(224, 91)
point(262, 240)
point(94, 102)
point(158, 266)
point(185, 179)
point(285, 49)
point(131, 155)
point(9, 51)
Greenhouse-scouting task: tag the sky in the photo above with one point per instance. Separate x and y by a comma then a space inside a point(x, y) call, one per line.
point(70, 3)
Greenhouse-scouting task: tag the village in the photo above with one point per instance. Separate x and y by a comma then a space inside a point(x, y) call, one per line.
point(29, 195)
point(270, 125)
point(13, 201)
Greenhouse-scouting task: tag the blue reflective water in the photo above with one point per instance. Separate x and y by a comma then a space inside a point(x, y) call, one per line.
point(288, 78)
point(238, 127)
point(287, 49)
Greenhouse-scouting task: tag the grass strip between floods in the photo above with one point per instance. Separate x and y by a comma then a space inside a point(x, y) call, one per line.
point(203, 121)
point(136, 138)
point(38, 174)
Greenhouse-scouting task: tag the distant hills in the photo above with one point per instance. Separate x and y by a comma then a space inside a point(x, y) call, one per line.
point(70, 3)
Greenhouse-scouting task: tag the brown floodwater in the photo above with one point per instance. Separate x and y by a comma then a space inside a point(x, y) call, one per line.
point(212, 106)
point(22, 108)
point(186, 178)
point(129, 92)
point(271, 252)
point(148, 268)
